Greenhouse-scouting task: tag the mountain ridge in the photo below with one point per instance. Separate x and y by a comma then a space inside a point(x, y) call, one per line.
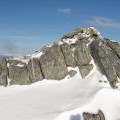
point(75, 49)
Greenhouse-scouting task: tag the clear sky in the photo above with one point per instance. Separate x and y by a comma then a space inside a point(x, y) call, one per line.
point(26, 25)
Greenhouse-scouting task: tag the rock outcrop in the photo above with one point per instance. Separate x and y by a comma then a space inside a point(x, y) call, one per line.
point(97, 116)
point(85, 69)
point(81, 54)
point(68, 54)
point(18, 75)
point(53, 63)
point(80, 48)
point(34, 70)
point(106, 59)
point(3, 72)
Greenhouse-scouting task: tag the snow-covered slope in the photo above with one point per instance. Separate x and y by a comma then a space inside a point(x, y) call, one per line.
point(68, 98)
point(60, 100)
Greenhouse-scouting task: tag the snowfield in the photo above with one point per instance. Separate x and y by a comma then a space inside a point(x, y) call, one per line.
point(60, 100)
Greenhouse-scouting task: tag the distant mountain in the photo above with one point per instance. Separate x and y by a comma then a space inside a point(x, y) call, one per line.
point(5, 56)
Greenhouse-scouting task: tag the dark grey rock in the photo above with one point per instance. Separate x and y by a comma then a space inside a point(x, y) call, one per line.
point(91, 116)
point(34, 70)
point(68, 54)
point(106, 60)
point(3, 72)
point(18, 75)
point(81, 54)
point(85, 70)
point(72, 73)
point(53, 63)
point(101, 115)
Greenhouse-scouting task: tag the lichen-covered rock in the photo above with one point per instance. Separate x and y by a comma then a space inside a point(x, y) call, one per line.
point(68, 54)
point(34, 69)
point(106, 60)
point(18, 74)
point(85, 70)
point(81, 54)
point(3, 72)
point(53, 63)
point(91, 116)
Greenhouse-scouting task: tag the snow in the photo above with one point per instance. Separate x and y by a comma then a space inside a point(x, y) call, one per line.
point(60, 100)
point(20, 58)
point(20, 65)
point(107, 100)
point(37, 55)
point(70, 40)
point(98, 33)
point(8, 64)
point(60, 43)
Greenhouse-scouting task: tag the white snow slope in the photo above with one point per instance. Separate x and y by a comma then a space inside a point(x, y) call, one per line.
point(60, 100)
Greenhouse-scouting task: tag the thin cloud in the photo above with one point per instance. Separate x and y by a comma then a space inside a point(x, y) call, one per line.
point(9, 47)
point(9, 44)
point(23, 37)
point(105, 22)
point(65, 11)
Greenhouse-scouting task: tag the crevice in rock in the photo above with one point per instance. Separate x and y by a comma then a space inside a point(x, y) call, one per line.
point(41, 69)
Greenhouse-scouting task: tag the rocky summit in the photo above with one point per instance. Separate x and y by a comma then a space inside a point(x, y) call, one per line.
point(80, 48)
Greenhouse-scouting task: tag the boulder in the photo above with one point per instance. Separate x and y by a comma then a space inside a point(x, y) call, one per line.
point(85, 70)
point(91, 116)
point(18, 74)
point(68, 54)
point(72, 73)
point(53, 63)
point(101, 115)
point(3, 72)
point(81, 54)
point(106, 60)
point(34, 70)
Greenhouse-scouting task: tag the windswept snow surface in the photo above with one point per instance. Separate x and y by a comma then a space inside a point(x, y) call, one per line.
point(60, 100)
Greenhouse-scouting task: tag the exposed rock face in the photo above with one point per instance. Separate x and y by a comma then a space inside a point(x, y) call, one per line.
point(68, 54)
point(18, 75)
point(82, 33)
point(82, 57)
point(85, 70)
point(90, 116)
point(72, 73)
point(34, 70)
point(81, 54)
point(3, 72)
point(114, 46)
point(76, 49)
point(53, 63)
point(106, 59)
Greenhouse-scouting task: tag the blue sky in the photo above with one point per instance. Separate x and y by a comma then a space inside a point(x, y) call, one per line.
point(27, 25)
